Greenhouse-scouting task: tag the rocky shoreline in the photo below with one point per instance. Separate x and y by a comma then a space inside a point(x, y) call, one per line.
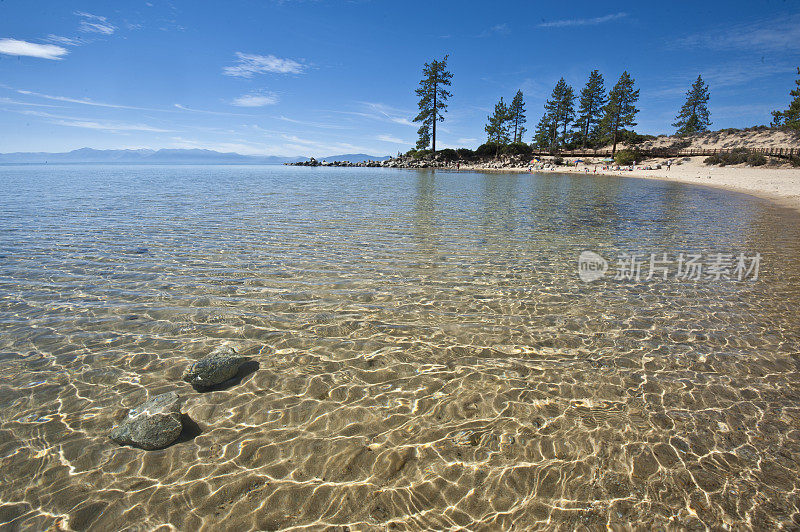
point(439, 161)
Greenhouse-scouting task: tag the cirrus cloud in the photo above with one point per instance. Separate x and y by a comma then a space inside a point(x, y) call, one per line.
point(30, 49)
point(582, 21)
point(392, 140)
point(95, 24)
point(255, 100)
point(249, 64)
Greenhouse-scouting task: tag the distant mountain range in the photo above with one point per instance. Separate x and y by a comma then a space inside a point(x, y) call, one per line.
point(89, 155)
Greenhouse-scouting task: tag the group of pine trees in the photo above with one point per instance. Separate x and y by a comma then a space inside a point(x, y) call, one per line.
point(507, 123)
point(600, 118)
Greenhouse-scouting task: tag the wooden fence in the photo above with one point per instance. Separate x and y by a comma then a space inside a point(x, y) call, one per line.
point(783, 153)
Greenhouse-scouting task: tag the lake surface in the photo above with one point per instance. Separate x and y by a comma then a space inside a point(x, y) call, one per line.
point(428, 355)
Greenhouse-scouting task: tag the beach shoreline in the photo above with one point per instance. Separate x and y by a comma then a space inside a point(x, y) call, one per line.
point(780, 185)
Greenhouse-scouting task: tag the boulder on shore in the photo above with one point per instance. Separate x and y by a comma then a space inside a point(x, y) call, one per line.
point(154, 424)
point(221, 365)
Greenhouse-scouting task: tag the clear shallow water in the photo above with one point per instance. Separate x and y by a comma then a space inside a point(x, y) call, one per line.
point(428, 356)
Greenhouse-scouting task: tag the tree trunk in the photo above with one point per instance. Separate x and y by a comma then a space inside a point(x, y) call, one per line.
point(435, 87)
point(614, 146)
point(586, 127)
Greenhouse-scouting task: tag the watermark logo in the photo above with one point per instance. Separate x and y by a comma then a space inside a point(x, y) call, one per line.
point(591, 266)
point(637, 267)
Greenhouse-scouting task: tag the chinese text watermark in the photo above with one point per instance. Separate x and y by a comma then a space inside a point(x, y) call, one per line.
point(637, 267)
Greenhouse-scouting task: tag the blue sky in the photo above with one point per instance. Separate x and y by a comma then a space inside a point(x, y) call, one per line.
point(323, 77)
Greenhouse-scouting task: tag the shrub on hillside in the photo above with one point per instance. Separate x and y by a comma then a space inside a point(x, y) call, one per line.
point(419, 154)
point(632, 138)
point(487, 150)
point(756, 159)
point(448, 154)
point(680, 144)
point(735, 156)
point(627, 157)
point(465, 153)
point(558, 160)
point(518, 148)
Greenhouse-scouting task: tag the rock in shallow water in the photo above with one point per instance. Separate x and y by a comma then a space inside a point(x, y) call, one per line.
point(221, 365)
point(154, 424)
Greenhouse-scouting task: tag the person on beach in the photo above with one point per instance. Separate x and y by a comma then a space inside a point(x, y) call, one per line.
point(669, 164)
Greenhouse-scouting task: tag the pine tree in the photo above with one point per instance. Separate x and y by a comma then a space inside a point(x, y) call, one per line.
point(568, 111)
point(424, 135)
point(541, 137)
point(791, 116)
point(620, 111)
point(497, 126)
point(559, 111)
point(517, 112)
point(694, 115)
point(432, 100)
point(592, 100)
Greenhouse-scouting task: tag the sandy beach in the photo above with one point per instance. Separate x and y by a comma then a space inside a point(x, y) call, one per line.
point(781, 185)
point(778, 184)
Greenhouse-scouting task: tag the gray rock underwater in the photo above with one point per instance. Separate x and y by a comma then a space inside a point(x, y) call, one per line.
point(154, 424)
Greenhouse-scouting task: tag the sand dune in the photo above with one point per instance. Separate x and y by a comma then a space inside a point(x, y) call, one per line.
point(760, 137)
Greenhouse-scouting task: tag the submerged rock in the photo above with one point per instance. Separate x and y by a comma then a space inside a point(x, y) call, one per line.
point(154, 424)
point(221, 365)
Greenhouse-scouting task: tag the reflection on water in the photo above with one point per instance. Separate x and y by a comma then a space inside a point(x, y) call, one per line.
point(428, 357)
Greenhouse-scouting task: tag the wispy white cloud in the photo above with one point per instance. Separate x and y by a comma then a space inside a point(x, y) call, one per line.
point(5, 100)
point(778, 35)
point(203, 111)
point(497, 29)
point(102, 125)
point(95, 24)
point(582, 21)
point(386, 112)
point(29, 49)
point(84, 101)
point(466, 140)
point(247, 65)
point(242, 147)
point(323, 147)
point(113, 127)
point(64, 41)
point(721, 76)
point(392, 140)
point(255, 100)
point(312, 124)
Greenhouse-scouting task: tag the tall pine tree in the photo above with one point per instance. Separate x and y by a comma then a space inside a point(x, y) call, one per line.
point(694, 116)
point(541, 136)
point(559, 111)
point(590, 109)
point(517, 112)
point(568, 112)
point(497, 126)
point(791, 116)
point(620, 111)
point(432, 101)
